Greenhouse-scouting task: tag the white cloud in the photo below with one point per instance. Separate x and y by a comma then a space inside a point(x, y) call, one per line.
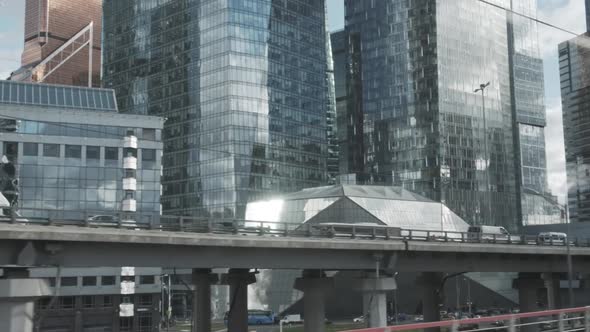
point(570, 16)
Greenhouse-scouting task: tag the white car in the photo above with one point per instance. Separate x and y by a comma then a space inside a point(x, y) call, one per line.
point(359, 319)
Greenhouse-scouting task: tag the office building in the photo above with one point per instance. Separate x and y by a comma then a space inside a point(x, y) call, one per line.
point(68, 154)
point(243, 85)
point(62, 42)
point(407, 88)
point(574, 65)
point(75, 156)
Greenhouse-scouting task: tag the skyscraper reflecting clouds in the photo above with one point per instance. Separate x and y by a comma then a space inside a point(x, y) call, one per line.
point(243, 85)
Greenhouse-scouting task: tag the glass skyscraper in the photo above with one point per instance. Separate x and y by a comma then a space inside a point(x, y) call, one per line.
point(574, 59)
point(243, 85)
point(411, 71)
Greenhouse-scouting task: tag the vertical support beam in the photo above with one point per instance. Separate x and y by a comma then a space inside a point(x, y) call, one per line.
point(202, 279)
point(553, 290)
point(528, 285)
point(314, 285)
point(238, 281)
point(431, 283)
point(90, 46)
point(374, 291)
point(16, 315)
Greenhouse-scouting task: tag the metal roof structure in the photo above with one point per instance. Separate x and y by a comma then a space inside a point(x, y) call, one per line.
point(350, 204)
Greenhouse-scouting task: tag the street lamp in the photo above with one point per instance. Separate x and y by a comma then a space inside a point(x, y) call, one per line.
point(482, 89)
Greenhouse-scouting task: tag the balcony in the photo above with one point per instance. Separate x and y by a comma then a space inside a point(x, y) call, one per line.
point(130, 184)
point(129, 205)
point(130, 142)
point(130, 163)
point(126, 310)
point(127, 287)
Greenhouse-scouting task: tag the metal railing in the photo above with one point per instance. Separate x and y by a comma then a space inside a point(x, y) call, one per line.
point(220, 225)
point(564, 320)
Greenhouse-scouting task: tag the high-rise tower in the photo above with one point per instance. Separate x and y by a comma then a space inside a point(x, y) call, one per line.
point(243, 85)
point(62, 42)
point(412, 69)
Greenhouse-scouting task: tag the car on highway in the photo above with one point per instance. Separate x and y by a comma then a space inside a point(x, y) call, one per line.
point(291, 320)
point(359, 319)
point(103, 219)
point(551, 238)
point(490, 234)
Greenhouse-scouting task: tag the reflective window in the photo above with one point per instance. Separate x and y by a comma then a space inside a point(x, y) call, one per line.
point(111, 153)
point(30, 149)
point(93, 152)
point(51, 150)
point(73, 151)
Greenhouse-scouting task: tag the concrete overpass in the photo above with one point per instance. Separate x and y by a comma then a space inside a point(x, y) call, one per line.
point(73, 246)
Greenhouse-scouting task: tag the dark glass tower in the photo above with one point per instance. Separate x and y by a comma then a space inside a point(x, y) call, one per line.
point(574, 63)
point(243, 85)
point(412, 68)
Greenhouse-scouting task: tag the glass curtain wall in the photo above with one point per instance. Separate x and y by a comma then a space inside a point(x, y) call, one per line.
point(243, 86)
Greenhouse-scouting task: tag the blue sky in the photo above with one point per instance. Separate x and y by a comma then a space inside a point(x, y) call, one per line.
point(568, 14)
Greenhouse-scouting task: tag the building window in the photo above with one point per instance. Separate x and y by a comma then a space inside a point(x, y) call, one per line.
point(145, 300)
point(51, 282)
point(43, 303)
point(126, 324)
point(107, 301)
point(88, 301)
point(147, 280)
point(51, 150)
point(148, 155)
point(93, 152)
point(66, 302)
point(69, 281)
point(144, 322)
point(89, 281)
point(30, 149)
point(107, 280)
point(111, 153)
point(73, 151)
point(11, 150)
point(149, 134)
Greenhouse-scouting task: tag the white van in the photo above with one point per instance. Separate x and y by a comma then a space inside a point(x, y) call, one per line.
point(487, 233)
point(552, 238)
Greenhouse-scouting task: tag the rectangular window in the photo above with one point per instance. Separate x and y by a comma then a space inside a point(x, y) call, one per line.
point(145, 300)
point(147, 280)
point(107, 301)
point(107, 280)
point(148, 155)
point(73, 151)
point(66, 302)
point(111, 153)
point(88, 301)
point(126, 324)
point(51, 150)
point(89, 281)
point(11, 150)
point(30, 149)
point(93, 152)
point(69, 281)
point(149, 134)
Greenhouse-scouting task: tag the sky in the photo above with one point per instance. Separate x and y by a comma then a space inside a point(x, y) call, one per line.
point(568, 14)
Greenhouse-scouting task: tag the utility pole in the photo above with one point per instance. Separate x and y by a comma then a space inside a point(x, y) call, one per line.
point(482, 88)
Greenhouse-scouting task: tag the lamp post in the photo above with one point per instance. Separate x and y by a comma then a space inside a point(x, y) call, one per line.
point(482, 89)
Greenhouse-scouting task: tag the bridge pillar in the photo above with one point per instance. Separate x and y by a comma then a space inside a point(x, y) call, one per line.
point(375, 298)
point(553, 290)
point(238, 281)
point(202, 279)
point(17, 296)
point(431, 284)
point(314, 284)
point(528, 285)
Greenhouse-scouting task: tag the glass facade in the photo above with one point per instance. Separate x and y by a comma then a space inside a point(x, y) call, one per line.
point(57, 96)
point(411, 71)
point(574, 58)
point(243, 86)
point(69, 163)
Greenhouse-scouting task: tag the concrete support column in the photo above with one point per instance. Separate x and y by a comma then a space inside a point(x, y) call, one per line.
point(375, 298)
point(238, 281)
point(17, 304)
point(528, 285)
point(202, 279)
point(553, 290)
point(431, 284)
point(16, 315)
point(314, 285)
